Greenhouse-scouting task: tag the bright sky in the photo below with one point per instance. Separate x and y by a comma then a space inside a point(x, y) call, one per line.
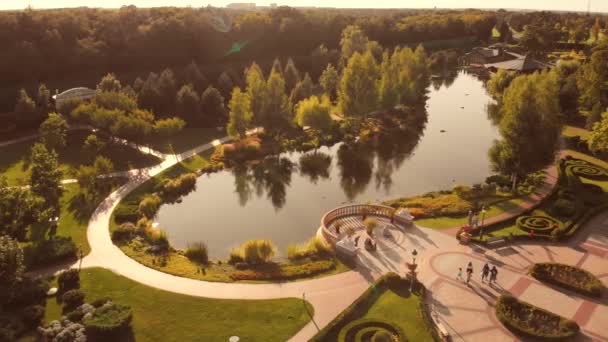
point(569, 5)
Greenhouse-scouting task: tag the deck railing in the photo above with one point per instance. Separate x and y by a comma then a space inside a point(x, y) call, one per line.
point(354, 210)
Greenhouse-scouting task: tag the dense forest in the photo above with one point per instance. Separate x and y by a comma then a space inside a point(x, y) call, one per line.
point(65, 48)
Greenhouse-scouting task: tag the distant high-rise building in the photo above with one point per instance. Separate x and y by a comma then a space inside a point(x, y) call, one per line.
point(242, 5)
point(273, 5)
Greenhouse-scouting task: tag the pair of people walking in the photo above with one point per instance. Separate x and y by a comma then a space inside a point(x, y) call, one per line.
point(486, 273)
point(490, 274)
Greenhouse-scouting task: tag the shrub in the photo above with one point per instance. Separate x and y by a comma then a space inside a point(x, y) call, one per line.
point(148, 207)
point(124, 232)
point(316, 246)
point(257, 251)
point(29, 291)
point(236, 256)
point(172, 189)
point(126, 213)
point(110, 319)
point(373, 329)
point(500, 180)
point(68, 280)
point(370, 224)
point(433, 205)
point(569, 277)
point(285, 272)
point(51, 251)
point(531, 321)
point(198, 252)
point(11, 326)
point(63, 330)
point(32, 315)
point(71, 299)
point(99, 302)
point(563, 208)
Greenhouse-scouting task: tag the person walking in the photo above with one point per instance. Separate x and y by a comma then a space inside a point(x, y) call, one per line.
point(469, 271)
point(484, 272)
point(459, 275)
point(493, 274)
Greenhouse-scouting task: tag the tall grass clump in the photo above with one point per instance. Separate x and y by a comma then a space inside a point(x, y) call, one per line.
point(315, 247)
point(198, 252)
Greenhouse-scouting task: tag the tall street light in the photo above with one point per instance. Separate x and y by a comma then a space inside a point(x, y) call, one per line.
point(483, 216)
point(412, 268)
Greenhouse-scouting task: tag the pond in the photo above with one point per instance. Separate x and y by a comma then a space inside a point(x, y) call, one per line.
point(283, 198)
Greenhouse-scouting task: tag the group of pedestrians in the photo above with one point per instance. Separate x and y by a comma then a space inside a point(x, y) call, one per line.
point(486, 273)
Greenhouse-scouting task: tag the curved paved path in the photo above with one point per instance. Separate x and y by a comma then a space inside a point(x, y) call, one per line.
point(439, 256)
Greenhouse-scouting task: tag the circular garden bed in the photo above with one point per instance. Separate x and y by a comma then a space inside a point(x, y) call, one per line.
point(543, 225)
point(569, 277)
point(581, 168)
point(533, 322)
point(371, 330)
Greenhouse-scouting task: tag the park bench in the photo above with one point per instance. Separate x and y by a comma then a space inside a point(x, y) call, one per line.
point(495, 240)
point(441, 329)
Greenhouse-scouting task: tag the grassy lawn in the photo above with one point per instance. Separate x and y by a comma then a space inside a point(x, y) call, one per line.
point(164, 316)
point(449, 222)
point(74, 217)
point(572, 131)
point(403, 311)
point(187, 139)
point(15, 165)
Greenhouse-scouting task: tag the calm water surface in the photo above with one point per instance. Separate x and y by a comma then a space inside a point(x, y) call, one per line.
point(283, 200)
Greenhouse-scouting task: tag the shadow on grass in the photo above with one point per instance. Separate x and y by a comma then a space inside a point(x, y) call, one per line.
point(81, 207)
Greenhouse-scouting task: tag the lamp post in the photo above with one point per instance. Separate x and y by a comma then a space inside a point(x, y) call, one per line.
point(483, 216)
point(80, 256)
point(412, 268)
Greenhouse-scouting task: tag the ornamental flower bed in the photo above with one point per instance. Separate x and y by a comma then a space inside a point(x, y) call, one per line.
point(533, 322)
point(568, 277)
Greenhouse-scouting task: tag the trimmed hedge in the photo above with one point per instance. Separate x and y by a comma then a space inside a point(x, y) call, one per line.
point(537, 224)
point(67, 280)
point(126, 212)
point(72, 299)
point(365, 329)
point(109, 320)
point(545, 325)
point(285, 272)
point(569, 277)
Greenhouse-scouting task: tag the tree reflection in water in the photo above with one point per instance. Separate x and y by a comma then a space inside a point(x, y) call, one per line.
point(315, 165)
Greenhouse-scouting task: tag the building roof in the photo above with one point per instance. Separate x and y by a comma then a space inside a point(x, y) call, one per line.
point(522, 64)
point(486, 52)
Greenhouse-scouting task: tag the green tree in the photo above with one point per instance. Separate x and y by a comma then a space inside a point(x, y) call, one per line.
point(11, 267)
point(45, 179)
point(87, 179)
point(25, 110)
point(225, 84)
point(357, 92)
point(329, 81)
point(276, 66)
point(531, 125)
point(193, 75)
point(277, 109)
point(169, 127)
point(598, 139)
point(93, 145)
point(353, 41)
point(315, 113)
point(167, 89)
point(257, 91)
point(291, 74)
point(53, 131)
point(240, 114)
point(212, 107)
point(302, 90)
point(188, 104)
point(109, 83)
point(593, 84)
point(499, 81)
point(19, 208)
point(43, 99)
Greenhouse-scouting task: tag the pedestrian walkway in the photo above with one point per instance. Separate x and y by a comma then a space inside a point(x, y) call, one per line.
point(466, 311)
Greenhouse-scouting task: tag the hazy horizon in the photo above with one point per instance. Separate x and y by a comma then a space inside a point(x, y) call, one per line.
point(557, 5)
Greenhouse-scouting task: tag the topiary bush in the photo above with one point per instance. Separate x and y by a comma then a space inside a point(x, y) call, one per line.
point(538, 224)
point(371, 330)
point(109, 320)
point(126, 212)
point(67, 280)
point(198, 252)
point(72, 299)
